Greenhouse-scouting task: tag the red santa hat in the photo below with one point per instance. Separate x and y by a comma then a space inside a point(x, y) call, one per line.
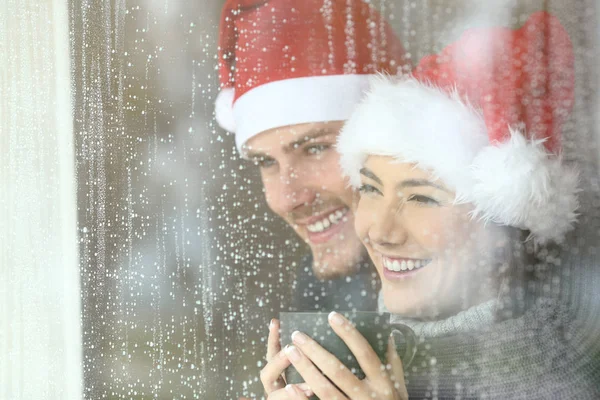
point(286, 62)
point(485, 116)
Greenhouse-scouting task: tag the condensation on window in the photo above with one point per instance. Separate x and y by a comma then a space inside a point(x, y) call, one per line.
point(183, 265)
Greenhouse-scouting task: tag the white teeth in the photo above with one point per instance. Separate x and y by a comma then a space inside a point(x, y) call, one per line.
point(403, 265)
point(392, 265)
point(328, 221)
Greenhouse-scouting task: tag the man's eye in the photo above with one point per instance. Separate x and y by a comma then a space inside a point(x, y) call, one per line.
point(263, 162)
point(316, 149)
point(423, 200)
point(365, 189)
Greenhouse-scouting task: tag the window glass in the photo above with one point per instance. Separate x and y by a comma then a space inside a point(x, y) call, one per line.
point(185, 256)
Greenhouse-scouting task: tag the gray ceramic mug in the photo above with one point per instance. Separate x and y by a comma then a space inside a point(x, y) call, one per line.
point(375, 327)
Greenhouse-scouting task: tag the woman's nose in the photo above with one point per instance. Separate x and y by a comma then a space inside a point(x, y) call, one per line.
point(387, 228)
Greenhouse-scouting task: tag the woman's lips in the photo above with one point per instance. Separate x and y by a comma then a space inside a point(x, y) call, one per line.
point(401, 268)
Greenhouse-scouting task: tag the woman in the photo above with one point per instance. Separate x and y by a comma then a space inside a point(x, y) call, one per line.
point(460, 187)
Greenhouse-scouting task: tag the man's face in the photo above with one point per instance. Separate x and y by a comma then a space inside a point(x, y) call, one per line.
point(304, 186)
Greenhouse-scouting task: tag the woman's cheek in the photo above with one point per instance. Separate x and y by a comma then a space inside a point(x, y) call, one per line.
point(361, 220)
point(431, 228)
point(355, 201)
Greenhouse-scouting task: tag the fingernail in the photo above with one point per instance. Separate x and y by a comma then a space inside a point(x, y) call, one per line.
point(293, 353)
point(290, 389)
point(272, 323)
point(336, 318)
point(305, 388)
point(299, 337)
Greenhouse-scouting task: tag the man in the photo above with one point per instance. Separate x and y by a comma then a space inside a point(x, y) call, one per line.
point(291, 72)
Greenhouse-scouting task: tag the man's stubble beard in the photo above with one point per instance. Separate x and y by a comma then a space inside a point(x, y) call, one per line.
point(338, 260)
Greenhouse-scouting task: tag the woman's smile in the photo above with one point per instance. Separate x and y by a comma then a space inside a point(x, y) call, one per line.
point(401, 267)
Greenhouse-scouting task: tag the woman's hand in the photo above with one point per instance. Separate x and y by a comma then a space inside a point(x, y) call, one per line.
point(381, 382)
point(271, 375)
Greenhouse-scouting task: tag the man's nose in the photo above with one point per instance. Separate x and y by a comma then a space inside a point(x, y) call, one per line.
point(292, 190)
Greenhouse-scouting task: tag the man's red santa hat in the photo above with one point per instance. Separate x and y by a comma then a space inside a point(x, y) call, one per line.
point(286, 62)
point(485, 116)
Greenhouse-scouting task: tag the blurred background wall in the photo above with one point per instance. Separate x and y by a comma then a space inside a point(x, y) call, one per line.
point(183, 265)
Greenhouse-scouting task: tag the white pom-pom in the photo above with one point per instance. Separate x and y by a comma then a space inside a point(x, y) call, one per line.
point(224, 109)
point(518, 183)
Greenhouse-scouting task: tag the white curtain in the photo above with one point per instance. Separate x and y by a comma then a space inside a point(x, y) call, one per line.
point(40, 334)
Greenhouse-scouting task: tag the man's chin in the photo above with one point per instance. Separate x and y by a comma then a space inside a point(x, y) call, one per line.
point(332, 266)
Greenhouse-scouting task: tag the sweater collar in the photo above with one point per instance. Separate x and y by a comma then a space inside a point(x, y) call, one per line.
point(473, 319)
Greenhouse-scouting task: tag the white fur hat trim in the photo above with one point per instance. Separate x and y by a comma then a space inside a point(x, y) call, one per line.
point(516, 183)
point(224, 109)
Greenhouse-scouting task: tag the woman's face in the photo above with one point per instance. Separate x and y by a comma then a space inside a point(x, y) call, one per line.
point(433, 258)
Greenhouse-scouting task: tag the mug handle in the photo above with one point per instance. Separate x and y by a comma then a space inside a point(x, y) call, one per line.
point(411, 343)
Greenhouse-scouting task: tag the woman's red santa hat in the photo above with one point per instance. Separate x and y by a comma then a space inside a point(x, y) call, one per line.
point(485, 116)
point(287, 62)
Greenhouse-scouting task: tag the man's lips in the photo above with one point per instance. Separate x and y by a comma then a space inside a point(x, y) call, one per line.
point(314, 218)
point(323, 227)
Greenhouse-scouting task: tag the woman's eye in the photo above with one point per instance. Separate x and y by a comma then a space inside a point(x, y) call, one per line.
point(317, 149)
point(423, 200)
point(364, 189)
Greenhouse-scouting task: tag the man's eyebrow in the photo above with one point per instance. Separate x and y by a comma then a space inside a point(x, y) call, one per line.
point(307, 138)
point(369, 174)
point(420, 182)
point(253, 155)
point(250, 154)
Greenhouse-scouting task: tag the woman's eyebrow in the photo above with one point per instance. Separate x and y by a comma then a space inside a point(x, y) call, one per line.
point(404, 184)
point(420, 182)
point(369, 174)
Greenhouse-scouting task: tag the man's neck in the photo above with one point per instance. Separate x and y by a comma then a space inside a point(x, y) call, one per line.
point(324, 274)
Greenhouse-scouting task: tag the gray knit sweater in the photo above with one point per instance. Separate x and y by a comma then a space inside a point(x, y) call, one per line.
point(474, 319)
point(552, 351)
point(530, 357)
